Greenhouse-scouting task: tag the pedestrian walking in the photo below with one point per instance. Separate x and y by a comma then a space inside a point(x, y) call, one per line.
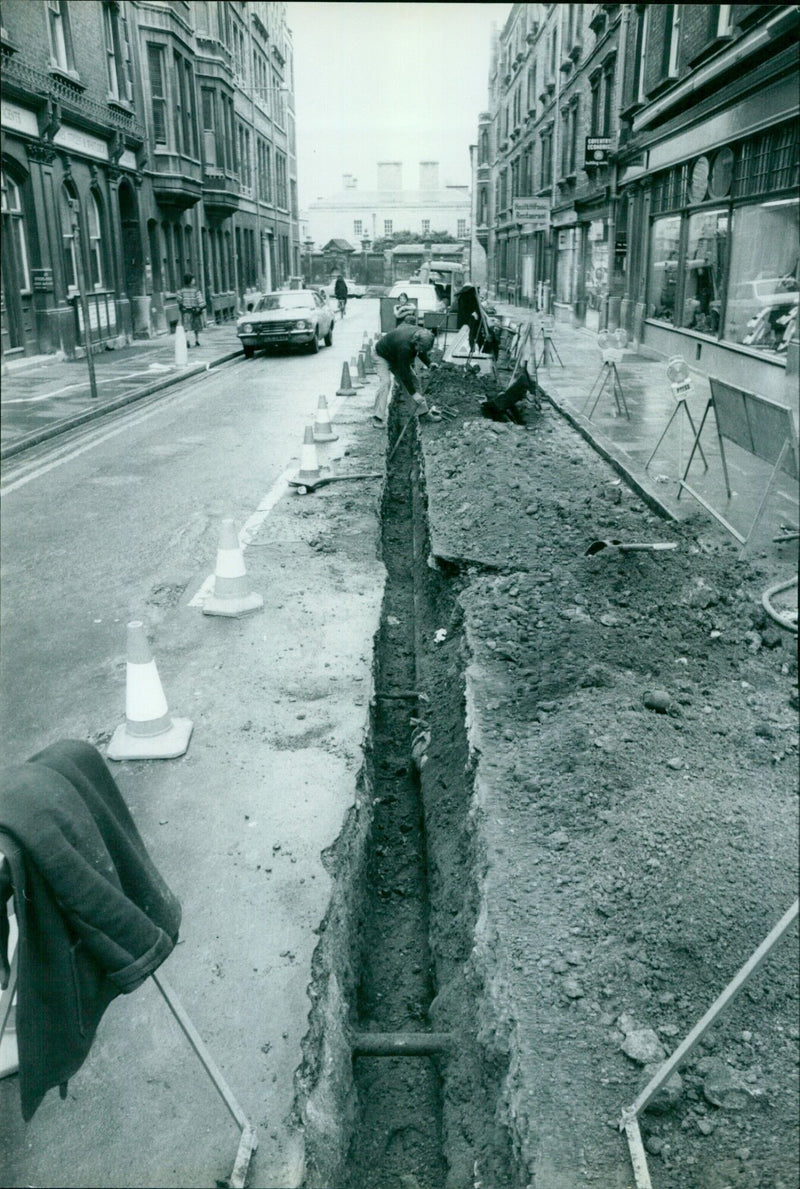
point(191, 305)
point(395, 353)
point(340, 293)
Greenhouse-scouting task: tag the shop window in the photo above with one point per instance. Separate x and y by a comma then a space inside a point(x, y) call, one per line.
point(761, 310)
point(95, 242)
point(60, 35)
point(67, 199)
point(14, 227)
point(704, 276)
point(662, 284)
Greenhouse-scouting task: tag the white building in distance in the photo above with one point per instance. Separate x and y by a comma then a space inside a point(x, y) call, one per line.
point(354, 214)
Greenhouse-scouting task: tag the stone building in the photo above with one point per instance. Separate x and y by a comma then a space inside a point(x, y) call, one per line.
point(638, 164)
point(707, 177)
point(543, 177)
point(355, 215)
point(141, 140)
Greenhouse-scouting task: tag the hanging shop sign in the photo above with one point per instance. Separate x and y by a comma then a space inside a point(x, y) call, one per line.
point(534, 212)
point(597, 150)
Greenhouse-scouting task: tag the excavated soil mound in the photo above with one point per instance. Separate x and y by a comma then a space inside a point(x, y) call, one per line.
point(632, 727)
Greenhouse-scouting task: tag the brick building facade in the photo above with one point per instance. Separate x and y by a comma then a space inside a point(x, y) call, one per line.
point(141, 141)
point(638, 164)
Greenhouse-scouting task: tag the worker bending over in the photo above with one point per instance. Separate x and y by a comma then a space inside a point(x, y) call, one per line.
point(395, 353)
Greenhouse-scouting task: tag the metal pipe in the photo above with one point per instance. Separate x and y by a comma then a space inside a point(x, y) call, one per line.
point(401, 1044)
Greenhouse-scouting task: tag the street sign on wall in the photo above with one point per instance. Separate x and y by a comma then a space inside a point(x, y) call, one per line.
point(533, 211)
point(597, 150)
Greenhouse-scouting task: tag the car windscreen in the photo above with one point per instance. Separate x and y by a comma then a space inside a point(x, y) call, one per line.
point(284, 301)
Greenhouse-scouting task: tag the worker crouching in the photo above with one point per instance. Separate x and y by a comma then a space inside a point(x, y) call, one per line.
point(395, 353)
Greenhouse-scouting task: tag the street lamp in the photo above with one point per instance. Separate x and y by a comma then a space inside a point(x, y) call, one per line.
point(80, 278)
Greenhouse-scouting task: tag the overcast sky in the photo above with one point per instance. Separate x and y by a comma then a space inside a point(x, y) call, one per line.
point(387, 82)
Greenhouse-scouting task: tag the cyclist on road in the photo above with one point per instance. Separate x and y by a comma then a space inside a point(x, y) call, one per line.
point(340, 293)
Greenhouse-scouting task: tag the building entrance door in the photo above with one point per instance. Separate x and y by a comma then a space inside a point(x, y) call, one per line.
point(132, 254)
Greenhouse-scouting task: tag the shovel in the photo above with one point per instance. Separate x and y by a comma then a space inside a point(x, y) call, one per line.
point(621, 547)
point(311, 485)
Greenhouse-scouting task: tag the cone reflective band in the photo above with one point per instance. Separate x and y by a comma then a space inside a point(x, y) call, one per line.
point(309, 467)
point(345, 388)
point(145, 705)
point(149, 732)
point(355, 378)
point(323, 430)
point(232, 595)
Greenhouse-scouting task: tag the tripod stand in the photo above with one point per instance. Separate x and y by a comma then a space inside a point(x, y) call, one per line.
point(608, 377)
point(680, 402)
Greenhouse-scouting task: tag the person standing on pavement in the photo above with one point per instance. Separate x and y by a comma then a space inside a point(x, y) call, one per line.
point(340, 293)
point(395, 353)
point(191, 305)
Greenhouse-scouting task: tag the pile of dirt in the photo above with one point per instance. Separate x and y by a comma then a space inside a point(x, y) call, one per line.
point(633, 731)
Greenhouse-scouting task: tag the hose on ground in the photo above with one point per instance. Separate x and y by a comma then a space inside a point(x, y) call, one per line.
point(766, 603)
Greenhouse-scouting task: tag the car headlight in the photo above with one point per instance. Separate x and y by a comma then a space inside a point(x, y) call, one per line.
point(247, 328)
point(301, 325)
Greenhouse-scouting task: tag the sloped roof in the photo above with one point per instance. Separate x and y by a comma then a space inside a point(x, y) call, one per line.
point(338, 245)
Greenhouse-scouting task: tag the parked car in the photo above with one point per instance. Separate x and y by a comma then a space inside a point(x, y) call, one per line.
point(288, 318)
point(353, 288)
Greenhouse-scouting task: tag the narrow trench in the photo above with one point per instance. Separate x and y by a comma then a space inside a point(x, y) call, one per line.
point(397, 1140)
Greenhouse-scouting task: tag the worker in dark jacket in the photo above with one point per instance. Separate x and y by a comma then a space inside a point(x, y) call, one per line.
point(95, 917)
point(395, 353)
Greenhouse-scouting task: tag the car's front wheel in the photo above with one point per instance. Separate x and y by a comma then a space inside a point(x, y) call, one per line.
point(329, 337)
point(313, 346)
point(249, 352)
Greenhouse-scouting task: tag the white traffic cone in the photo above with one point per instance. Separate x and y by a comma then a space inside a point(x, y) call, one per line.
point(345, 388)
point(355, 379)
point(309, 466)
point(323, 429)
point(362, 368)
point(181, 350)
point(369, 362)
point(232, 595)
point(149, 732)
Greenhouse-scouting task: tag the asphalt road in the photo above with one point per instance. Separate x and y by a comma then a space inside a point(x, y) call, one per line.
point(120, 520)
point(109, 522)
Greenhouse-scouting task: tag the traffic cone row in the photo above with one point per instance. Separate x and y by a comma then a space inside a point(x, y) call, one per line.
point(149, 731)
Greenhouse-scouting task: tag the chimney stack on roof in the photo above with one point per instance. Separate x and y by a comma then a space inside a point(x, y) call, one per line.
point(429, 175)
point(390, 175)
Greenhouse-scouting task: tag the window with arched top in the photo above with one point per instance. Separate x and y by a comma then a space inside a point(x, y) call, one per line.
point(68, 201)
point(94, 218)
point(14, 228)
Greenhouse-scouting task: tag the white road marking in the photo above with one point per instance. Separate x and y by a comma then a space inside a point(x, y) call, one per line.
point(254, 522)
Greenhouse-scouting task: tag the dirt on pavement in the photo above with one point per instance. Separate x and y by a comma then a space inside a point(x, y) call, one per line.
point(632, 733)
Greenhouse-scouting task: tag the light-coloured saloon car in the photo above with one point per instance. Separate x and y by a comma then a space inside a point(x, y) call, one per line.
point(287, 318)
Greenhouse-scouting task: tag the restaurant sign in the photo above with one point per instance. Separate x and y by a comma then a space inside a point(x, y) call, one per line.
point(535, 212)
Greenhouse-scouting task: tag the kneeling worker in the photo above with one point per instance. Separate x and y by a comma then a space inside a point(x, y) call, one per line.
point(395, 352)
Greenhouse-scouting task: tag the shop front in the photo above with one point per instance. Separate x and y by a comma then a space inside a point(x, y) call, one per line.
point(721, 281)
point(566, 243)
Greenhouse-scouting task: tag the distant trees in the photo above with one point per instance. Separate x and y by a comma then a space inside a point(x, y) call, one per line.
point(387, 242)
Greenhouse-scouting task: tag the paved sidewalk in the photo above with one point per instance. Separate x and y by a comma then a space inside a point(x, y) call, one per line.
point(630, 441)
point(39, 395)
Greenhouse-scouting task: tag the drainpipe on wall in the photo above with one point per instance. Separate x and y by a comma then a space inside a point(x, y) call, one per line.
point(556, 154)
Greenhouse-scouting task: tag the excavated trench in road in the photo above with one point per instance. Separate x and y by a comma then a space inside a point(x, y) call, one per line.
point(392, 970)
